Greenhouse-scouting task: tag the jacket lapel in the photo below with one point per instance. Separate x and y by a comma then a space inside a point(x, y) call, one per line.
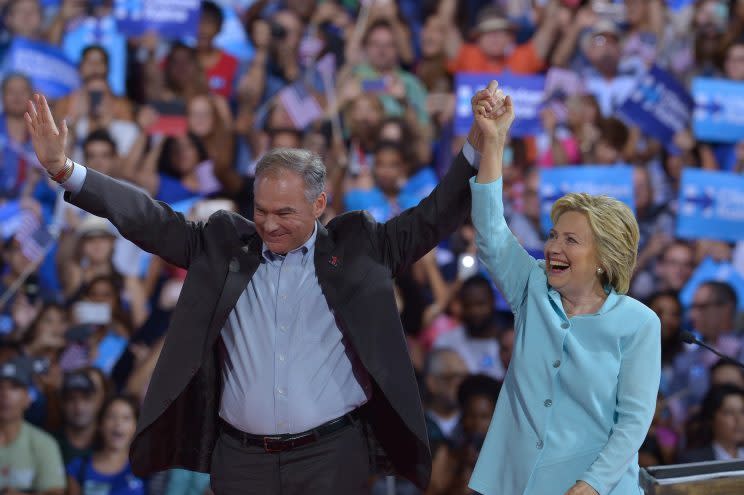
point(329, 266)
point(240, 268)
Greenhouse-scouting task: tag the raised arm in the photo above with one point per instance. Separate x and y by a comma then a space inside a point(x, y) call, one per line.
point(404, 239)
point(150, 224)
point(506, 260)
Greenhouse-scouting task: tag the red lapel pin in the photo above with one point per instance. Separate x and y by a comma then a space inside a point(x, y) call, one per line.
point(333, 260)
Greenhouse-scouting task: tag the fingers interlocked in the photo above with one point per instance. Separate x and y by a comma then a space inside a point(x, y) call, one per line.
point(489, 102)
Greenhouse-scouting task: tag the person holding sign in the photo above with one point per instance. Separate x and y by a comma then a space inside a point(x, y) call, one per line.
point(580, 392)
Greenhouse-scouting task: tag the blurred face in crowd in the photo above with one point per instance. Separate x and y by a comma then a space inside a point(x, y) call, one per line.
point(93, 65)
point(675, 266)
point(316, 142)
point(17, 92)
point(103, 291)
point(605, 154)
point(571, 255)
point(734, 64)
point(98, 249)
point(669, 311)
point(477, 308)
point(582, 110)
point(506, 346)
point(293, 27)
point(643, 195)
point(118, 426)
point(287, 138)
point(477, 414)
point(80, 409)
point(208, 29)
point(710, 18)
point(51, 327)
point(100, 156)
point(636, 12)
point(14, 400)
point(448, 370)
point(201, 116)
point(389, 171)
point(24, 18)
point(183, 69)
point(728, 421)
point(186, 156)
point(381, 51)
point(284, 217)
point(603, 51)
point(432, 37)
point(496, 44)
point(727, 374)
point(14, 258)
point(365, 117)
point(709, 316)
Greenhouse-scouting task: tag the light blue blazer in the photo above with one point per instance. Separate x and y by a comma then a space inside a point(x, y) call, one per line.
point(580, 392)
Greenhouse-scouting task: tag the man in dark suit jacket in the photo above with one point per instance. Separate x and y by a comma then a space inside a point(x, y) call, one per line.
point(222, 373)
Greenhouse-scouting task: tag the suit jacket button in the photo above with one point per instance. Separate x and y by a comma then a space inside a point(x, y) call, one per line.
point(556, 363)
point(548, 403)
point(565, 325)
point(539, 445)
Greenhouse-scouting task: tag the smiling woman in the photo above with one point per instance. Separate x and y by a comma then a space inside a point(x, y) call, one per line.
point(580, 391)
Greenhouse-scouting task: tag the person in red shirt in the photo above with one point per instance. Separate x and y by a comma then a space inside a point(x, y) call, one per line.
point(495, 48)
point(220, 67)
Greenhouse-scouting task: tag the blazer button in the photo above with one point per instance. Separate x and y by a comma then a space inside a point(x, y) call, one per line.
point(565, 325)
point(539, 445)
point(548, 403)
point(556, 363)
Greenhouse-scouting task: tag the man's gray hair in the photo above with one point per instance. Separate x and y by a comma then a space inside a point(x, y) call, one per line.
point(305, 163)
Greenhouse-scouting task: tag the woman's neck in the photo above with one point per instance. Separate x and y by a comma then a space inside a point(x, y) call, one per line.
point(110, 460)
point(587, 302)
point(731, 448)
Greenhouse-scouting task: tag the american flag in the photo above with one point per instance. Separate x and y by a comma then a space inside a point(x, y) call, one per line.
point(300, 104)
point(33, 237)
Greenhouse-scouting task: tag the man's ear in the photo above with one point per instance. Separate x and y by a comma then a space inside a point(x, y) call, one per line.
point(319, 205)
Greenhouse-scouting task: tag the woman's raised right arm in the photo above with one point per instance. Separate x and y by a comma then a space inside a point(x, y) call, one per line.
point(506, 260)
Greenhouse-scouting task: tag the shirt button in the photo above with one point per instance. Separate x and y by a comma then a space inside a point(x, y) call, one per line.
point(548, 403)
point(283, 297)
point(281, 357)
point(281, 391)
point(556, 363)
point(539, 445)
point(565, 325)
point(283, 327)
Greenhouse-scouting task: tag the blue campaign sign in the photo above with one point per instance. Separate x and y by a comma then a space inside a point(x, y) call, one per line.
point(171, 19)
point(615, 181)
point(660, 106)
point(719, 110)
point(713, 270)
point(677, 5)
point(527, 93)
point(50, 71)
point(711, 205)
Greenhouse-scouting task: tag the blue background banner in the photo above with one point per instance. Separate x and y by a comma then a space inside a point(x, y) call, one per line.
point(615, 181)
point(719, 110)
point(660, 106)
point(711, 205)
point(527, 93)
point(50, 71)
point(171, 19)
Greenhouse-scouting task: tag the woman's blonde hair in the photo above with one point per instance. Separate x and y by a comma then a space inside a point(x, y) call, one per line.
point(615, 231)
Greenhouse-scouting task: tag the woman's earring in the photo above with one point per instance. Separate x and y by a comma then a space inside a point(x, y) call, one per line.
point(599, 271)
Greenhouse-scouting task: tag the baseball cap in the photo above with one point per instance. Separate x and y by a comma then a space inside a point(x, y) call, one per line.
point(17, 369)
point(78, 381)
point(94, 226)
point(491, 19)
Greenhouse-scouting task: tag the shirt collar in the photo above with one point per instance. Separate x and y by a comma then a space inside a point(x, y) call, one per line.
point(306, 248)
